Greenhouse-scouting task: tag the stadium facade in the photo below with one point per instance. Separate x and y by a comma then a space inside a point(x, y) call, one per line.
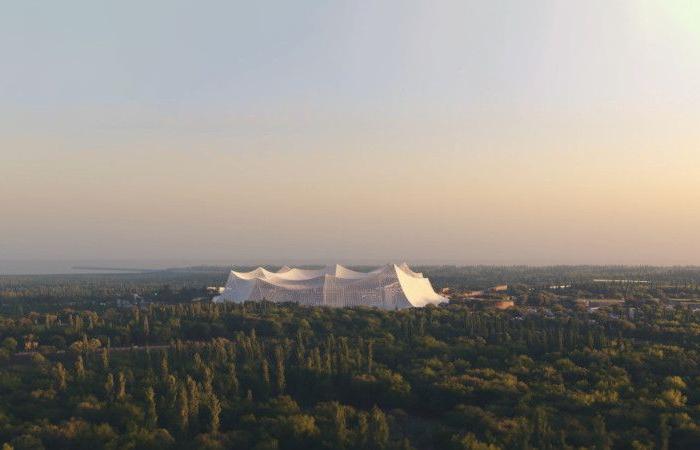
point(388, 287)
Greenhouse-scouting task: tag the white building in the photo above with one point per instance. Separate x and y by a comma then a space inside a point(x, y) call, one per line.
point(388, 287)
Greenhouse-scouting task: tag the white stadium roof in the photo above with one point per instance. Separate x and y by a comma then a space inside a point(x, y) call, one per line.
point(388, 287)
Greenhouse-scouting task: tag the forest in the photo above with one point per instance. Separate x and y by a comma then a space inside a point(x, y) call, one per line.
point(146, 361)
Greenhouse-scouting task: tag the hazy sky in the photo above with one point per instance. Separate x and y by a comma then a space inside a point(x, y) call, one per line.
point(459, 131)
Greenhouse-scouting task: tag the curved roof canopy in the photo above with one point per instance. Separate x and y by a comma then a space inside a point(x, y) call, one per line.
point(388, 287)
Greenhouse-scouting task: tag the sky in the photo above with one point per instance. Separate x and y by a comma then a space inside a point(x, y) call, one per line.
point(474, 132)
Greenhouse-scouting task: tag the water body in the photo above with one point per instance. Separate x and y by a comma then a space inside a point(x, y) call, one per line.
point(62, 267)
point(56, 267)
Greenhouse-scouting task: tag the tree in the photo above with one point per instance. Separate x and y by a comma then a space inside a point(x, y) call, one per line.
point(151, 413)
point(208, 381)
point(193, 402)
point(79, 368)
point(10, 344)
point(232, 385)
point(674, 398)
point(664, 433)
point(214, 413)
point(340, 429)
point(109, 386)
point(121, 386)
point(370, 357)
point(600, 433)
point(542, 430)
point(265, 369)
point(362, 433)
point(298, 431)
point(406, 445)
point(279, 370)
point(105, 359)
point(378, 429)
point(183, 413)
point(164, 366)
point(61, 377)
point(675, 382)
point(27, 442)
point(470, 442)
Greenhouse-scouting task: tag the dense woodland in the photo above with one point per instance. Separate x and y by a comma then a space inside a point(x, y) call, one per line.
point(80, 368)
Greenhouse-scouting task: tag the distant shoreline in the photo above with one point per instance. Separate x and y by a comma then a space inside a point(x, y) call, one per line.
point(78, 267)
point(113, 269)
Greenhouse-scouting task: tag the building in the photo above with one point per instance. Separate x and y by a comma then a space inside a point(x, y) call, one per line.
point(388, 287)
point(499, 288)
point(503, 304)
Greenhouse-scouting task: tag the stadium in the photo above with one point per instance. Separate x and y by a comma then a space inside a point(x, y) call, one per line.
point(388, 287)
